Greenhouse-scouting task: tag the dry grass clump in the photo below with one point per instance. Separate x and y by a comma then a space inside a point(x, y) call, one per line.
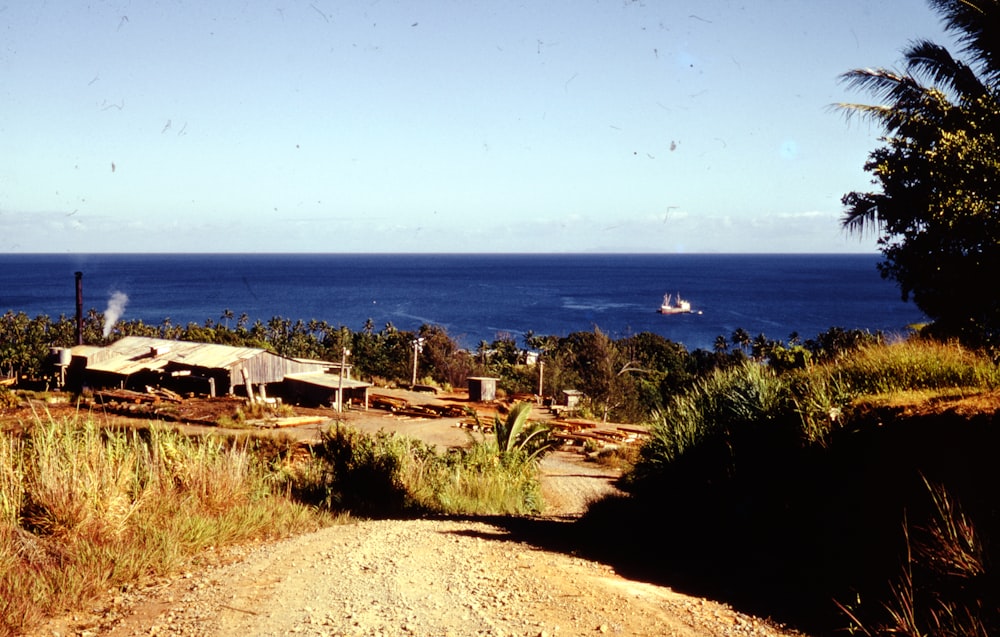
point(946, 584)
point(255, 411)
point(84, 509)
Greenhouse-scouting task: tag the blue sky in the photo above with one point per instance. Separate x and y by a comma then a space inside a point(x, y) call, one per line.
point(383, 126)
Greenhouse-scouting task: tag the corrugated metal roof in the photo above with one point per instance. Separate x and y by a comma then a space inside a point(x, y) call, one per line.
point(85, 350)
point(138, 353)
point(329, 381)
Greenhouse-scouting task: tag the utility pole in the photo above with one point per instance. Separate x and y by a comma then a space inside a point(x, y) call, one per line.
point(340, 386)
point(418, 346)
point(79, 308)
point(541, 378)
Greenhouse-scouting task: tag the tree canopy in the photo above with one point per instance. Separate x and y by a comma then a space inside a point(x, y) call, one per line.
point(937, 214)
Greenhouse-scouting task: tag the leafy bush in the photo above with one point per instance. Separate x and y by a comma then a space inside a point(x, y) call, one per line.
point(476, 480)
point(7, 398)
point(387, 474)
point(789, 490)
point(714, 410)
point(361, 473)
point(516, 436)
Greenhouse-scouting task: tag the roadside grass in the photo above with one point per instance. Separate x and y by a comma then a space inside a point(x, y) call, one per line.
point(910, 365)
point(244, 414)
point(84, 510)
point(797, 491)
point(386, 475)
point(479, 480)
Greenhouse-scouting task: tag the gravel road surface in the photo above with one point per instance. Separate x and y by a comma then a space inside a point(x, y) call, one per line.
point(427, 577)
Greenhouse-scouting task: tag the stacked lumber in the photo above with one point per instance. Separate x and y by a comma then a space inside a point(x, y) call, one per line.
point(402, 407)
point(388, 403)
point(578, 432)
point(448, 411)
point(111, 396)
point(288, 421)
point(475, 425)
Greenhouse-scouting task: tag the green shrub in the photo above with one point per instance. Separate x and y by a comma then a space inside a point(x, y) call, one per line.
point(387, 474)
point(8, 399)
point(516, 436)
point(915, 364)
point(725, 403)
point(476, 480)
point(361, 473)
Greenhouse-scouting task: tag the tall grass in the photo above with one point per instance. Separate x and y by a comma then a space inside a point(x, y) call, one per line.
point(86, 509)
point(807, 405)
point(391, 475)
point(822, 394)
point(913, 365)
point(792, 486)
point(947, 579)
point(480, 480)
point(714, 409)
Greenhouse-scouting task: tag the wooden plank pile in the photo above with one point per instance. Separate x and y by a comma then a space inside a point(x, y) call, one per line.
point(579, 432)
point(152, 395)
point(287, 421)
point(402, 407)
point(484, 426)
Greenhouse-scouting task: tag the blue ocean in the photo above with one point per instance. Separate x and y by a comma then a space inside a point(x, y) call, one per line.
point(477, 297)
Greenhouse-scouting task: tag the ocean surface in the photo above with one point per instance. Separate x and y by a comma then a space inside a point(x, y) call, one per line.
point(477, 297)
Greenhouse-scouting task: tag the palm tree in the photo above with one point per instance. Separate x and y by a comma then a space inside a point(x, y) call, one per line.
point(919, 111)
point(721, 343)
point(761, 346)
point(741, 338)
point(937, 217)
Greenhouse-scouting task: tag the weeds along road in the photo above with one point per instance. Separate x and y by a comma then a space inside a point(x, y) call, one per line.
point(426, 577)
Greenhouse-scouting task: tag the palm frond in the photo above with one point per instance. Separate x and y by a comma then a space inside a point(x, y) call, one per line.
point(508, 430)
point(925, 58)
point(976, 26)
point(861, 216)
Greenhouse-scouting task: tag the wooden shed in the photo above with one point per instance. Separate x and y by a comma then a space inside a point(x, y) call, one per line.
point(136, 361)
point(326, 389)
point(482, 388)
point(572, 398)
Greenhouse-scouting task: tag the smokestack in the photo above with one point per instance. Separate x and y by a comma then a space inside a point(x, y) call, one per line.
point(79, 308)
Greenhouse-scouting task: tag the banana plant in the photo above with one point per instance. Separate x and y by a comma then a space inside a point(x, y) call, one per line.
point(515, 433)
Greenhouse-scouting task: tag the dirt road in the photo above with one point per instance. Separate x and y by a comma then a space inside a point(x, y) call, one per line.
point(424, 577)
point(427, 577)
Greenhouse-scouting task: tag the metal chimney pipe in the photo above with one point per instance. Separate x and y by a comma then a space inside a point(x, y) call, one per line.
point(79, 308)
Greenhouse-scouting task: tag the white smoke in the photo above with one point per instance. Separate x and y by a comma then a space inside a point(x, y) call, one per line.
point(116, 307)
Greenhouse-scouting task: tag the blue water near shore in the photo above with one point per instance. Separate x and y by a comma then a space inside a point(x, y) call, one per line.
point(477, 297)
